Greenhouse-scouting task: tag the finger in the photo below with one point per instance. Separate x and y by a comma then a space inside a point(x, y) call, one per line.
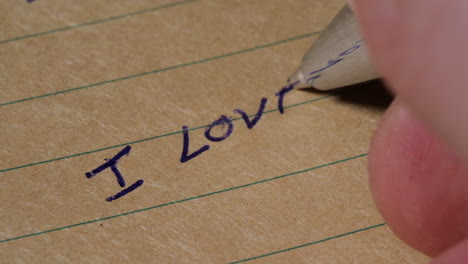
point(419, 47)
point(457, 255)
point(418, 184)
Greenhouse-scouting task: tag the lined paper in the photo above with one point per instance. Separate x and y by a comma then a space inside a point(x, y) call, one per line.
point(83, 81)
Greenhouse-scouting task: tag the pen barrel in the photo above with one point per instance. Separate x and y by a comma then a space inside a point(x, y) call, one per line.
point(338, 58)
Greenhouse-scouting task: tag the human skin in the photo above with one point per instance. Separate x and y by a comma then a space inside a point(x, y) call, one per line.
point(419, 153)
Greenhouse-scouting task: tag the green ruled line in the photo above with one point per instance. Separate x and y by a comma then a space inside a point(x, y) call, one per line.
point(99, 21)
point(183, 200)
point(156, 137)
point(164, 69)
point(311, 243)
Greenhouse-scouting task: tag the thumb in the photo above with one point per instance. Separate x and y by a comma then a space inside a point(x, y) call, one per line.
point(420, 48)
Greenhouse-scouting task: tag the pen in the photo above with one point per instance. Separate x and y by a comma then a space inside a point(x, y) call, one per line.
point(338, 58)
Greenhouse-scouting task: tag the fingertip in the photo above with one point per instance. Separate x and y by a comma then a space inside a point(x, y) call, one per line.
point(456, 255)
point(419, 186)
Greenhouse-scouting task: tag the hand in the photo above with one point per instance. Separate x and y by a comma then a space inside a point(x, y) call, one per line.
point(419, 155)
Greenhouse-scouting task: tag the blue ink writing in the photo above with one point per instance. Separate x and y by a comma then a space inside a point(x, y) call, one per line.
point(125, 191)
point(251, 123)
point(185, 149)
point(112, 164)
point(222, 121)
point(281, 95)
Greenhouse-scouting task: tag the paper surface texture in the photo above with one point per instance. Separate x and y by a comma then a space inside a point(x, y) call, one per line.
point(101, 100)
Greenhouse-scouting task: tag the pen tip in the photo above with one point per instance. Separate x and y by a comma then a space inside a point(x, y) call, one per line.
point(296, 82)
